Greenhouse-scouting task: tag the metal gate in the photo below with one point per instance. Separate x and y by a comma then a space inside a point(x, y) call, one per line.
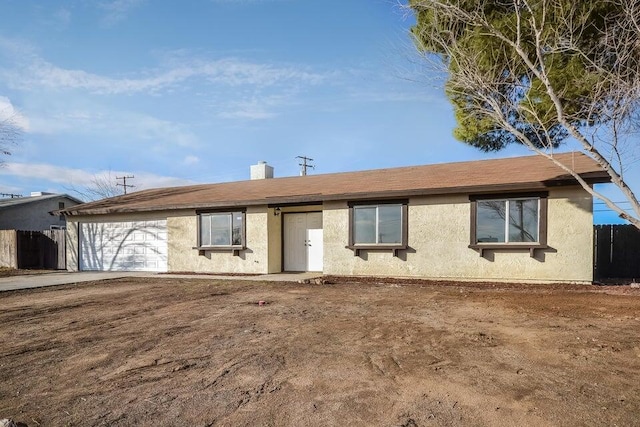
point(616, 252)
point(41, 249)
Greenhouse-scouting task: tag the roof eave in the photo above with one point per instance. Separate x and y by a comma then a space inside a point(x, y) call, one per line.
point(590, 178)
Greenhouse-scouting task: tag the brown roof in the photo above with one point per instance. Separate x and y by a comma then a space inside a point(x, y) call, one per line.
point(510, 174)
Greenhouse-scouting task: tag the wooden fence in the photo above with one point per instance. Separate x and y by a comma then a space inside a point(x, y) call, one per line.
point(33, 249)
point(617, 252)
point(8, 249)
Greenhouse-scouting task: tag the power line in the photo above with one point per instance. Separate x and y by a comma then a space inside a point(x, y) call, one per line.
point(617, 203)
point(304, 165)
point(124, 182)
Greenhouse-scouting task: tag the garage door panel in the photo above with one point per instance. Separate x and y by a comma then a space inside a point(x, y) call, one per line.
point(120, 246)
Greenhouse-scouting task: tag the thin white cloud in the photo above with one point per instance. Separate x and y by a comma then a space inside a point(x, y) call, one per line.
point(230, 79)
point(154, 129)
point(251, 114)
point(78, 177)
point(247, 110)
point(131, 126)
point(392, 95)
point(117, 10)
point(48, 172)
point(9, 115)
point(242, 2)
point(190, 160)
point(256, 107)
point(62, 17)
point(17, 50)
point(38, 73)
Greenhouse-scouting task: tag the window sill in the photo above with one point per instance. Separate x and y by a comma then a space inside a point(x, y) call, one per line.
point(235, 250)
point(393, 248)
point(531, 247)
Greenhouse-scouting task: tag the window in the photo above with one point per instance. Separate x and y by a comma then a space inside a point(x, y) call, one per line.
point(516, 221)
point(507, 221)
point(224, 229)
point(378, 225)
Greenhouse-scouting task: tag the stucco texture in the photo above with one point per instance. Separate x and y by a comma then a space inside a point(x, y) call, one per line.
point(72, 245)
point(182, 237)
point(439, 236)
point(438, 239)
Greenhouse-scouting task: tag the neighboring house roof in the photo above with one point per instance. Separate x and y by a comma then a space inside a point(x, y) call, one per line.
point(20, 201)
point(510, 174)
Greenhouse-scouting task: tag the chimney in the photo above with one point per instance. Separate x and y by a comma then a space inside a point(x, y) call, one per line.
point(261, 171)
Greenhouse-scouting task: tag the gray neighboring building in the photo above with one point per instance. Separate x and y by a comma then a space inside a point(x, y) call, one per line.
point(34, 213)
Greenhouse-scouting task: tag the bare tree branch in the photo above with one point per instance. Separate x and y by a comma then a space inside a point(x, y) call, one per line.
point(100, 187)
point(511, 82)
point(9, 135)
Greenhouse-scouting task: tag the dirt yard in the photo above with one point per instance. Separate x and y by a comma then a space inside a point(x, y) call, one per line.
point(169, 352)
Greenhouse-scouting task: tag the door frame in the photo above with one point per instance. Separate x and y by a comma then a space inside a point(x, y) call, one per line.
point(282, 214)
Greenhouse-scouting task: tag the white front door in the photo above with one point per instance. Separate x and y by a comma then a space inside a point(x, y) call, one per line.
point(314, 249)
point(295, 226)
point(303, 241)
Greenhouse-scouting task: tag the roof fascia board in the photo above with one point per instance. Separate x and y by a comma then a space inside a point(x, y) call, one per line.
point(318, 199)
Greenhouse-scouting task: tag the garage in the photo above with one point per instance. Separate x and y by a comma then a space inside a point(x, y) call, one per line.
point(123, 246)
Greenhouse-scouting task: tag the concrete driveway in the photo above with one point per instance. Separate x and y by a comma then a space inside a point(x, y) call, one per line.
point(56, 278)
point(59, 278)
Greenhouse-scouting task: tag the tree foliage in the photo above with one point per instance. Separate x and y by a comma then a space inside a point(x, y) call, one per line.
point(537, 72)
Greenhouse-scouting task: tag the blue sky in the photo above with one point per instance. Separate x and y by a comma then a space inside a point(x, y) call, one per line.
point(196, 91)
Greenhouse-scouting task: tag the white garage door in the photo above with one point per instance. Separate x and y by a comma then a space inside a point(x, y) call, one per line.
point(124, 246)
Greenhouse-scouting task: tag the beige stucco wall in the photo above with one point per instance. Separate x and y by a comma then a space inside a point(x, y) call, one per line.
point(439, 228)
point(263, 253)
point(263, 237)
point(182, 237)
point(72, 237)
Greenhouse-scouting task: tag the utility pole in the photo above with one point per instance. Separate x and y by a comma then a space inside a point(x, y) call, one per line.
point(10, 195)
point(124, 182)
point(305, 165)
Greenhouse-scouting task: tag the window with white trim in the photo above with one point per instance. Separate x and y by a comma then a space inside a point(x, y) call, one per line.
point(221, 229)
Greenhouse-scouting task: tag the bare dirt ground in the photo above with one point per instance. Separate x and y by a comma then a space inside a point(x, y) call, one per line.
point(176, 352)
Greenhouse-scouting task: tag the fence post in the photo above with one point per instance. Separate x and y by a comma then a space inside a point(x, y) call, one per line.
point(8, 249)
